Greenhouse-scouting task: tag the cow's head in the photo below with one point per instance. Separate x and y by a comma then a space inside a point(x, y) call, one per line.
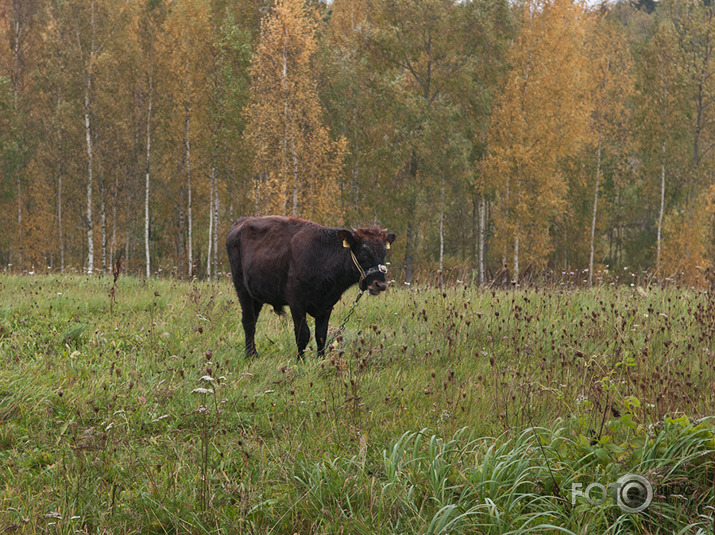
point(368, 247)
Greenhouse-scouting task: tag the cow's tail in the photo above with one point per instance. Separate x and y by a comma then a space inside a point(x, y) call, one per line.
point(233, 250)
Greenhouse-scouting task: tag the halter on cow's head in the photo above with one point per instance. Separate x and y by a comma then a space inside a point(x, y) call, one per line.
point(367, 247)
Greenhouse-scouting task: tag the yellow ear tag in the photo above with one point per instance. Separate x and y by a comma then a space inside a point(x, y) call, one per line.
point(346, 244)
point(387, 245)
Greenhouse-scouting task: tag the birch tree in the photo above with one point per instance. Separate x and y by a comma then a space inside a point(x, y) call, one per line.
point(661, 136)
point(151, 16)
point(612, 85)
point(187, 46)
point(688, 238)
point(93, 26)
point(17, 19)
point(424, 51)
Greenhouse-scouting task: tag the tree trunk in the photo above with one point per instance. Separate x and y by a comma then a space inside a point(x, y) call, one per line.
point(411, 210)
point(90, 154)
point(409, 239)
point(103, 218)
point(598, 171)
point(595, 210)
point(187, 147)
point(19, 223)
point(482, 239)
point(662, 208)
point(441, 235)
point(182, 238)
point(60, 237)
point(60, 169)
point(482, 218)
point(16, 40)
point(211, 222)
point(90, 169)
point(126, 242)
point(662, 178)
point(216, 206)
point(113, 243)
point(147, 181)
point(295, 177)
point(515, 279)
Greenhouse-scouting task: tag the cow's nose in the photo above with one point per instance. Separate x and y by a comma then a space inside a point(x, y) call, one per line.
point(381, 286)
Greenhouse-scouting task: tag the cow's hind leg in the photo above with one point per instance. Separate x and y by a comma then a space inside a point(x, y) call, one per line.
point(251, 309)
point(302, 332)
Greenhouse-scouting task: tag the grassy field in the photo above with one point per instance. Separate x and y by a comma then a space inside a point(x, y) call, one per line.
point(468, 411)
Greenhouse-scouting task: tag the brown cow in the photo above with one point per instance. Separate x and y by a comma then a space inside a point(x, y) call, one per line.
point(289, 261)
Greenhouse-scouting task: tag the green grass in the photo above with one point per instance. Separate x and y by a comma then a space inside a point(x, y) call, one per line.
point(464, 411)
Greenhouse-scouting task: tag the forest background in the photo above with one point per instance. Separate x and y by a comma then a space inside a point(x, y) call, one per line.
point(531, 135)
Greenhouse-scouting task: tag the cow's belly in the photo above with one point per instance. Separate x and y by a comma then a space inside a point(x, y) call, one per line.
point(266, 288)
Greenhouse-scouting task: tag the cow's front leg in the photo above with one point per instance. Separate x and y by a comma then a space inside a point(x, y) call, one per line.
point(302, 332)
point(321, 331)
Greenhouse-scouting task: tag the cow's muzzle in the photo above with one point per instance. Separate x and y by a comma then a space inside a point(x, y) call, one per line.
point(375, 287)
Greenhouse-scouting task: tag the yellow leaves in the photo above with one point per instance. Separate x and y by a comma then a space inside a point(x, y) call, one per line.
point(611, 81)
point(296, 164)
point(186, 42)
point(688, 239)
point(347, 17)
point(540, 118)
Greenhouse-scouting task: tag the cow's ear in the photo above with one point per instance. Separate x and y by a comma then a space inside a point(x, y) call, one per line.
point(348, 238)
point(390, 238)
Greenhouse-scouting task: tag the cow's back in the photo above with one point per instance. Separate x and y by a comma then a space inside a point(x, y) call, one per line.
point(259, 250)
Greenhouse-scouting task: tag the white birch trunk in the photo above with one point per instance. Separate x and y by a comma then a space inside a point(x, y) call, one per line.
point(216, 213)
point(517, 194)
point(662, 179)
point(90, 154)
point(60, 169)
point(103, 219)
point(295, 177)
point(595, 210)
point(17, 37)
point(90, 169)
point(662, 207)
point(516, 258)
point(211, 223)
point(113, 243)
point(187, 146)
point(482, 219)
point(598, 172)
point(17, 30)
point(482, 239)
point(441, 235)
point(19, 222)
point(60, 237)
point(288, 132)
point(147, 181)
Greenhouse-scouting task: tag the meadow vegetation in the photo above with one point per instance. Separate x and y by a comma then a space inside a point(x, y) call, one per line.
point(461, 410)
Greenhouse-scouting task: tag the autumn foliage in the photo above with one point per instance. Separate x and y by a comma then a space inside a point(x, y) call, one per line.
point(296, 164)
point(536, 136)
